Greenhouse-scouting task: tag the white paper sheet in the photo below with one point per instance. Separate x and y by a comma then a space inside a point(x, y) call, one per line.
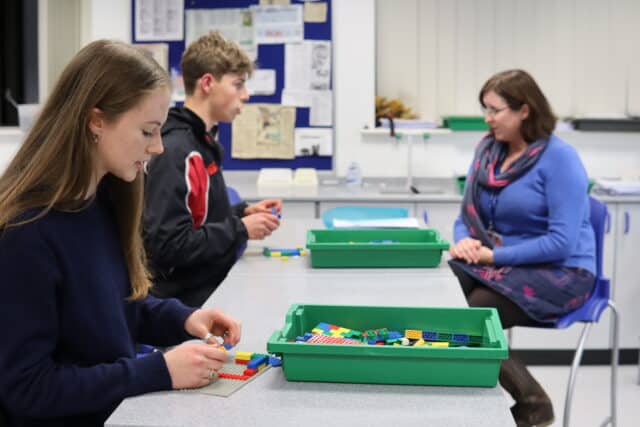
point(321, 113)
point(307, 65)
point(233, 24)
point(262, 82)
point(278, 24)
point(313, 141)
point(159, 20)
point(377, 223)
point(296, 98)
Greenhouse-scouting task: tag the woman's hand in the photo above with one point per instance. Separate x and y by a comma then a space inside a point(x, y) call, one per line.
point(467, 249)
point(208, 323)
point(194, 364)
point(485, 255)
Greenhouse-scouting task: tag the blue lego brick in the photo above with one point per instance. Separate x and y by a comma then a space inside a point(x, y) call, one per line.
point(275, 361)
point(460, 338)
point(254, 363)
point(430, 336)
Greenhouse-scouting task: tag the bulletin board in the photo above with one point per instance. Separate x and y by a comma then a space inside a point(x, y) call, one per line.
point(269, 56)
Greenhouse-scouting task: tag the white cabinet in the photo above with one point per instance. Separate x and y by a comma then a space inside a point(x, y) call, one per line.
point(626, 284)
point(297, 210)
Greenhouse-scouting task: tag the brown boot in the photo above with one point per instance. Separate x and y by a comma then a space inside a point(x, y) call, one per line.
point(533, 406)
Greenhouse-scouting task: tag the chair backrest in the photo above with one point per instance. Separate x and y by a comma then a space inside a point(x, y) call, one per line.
point(593, 307)
point(598, 217)
point(234, 197)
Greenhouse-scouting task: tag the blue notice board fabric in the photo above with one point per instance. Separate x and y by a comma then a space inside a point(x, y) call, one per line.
point(270, 56)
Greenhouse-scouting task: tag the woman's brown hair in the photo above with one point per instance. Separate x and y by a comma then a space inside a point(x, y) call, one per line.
point(518, 88)
point(54, 167)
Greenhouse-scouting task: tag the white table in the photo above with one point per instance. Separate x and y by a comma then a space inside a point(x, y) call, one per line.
point(258, 292)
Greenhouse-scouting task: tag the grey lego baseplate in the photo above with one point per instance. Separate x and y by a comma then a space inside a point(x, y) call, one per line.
point(225, 386)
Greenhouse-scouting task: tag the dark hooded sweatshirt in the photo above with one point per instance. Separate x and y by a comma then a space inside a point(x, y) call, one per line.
point(191, 231)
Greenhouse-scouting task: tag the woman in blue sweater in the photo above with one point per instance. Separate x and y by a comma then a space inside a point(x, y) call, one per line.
point(74, 283)
point(524, 242)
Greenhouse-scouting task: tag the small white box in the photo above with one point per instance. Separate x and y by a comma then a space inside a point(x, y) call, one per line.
point(275, 177)
point(305, 177)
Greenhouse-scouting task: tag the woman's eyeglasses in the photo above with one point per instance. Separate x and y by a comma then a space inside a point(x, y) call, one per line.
point(491, 111)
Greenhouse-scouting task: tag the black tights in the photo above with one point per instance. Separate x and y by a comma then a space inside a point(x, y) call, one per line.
point(478, 295)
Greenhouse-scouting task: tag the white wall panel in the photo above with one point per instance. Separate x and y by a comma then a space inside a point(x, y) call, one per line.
point(583, 53)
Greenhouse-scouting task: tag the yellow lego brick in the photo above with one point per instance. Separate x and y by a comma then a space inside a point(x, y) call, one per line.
point(284, 258)
point(419, 343)
point(317, 331)
point(440, 344)
point(275, 254)
point(413, 334)
point(244, 355)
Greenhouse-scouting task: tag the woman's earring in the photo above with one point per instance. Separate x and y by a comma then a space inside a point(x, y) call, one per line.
point(95, 137)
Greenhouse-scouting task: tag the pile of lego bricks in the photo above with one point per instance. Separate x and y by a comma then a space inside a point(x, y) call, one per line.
point(255, 362)
point(283, 253)
point(325, 333)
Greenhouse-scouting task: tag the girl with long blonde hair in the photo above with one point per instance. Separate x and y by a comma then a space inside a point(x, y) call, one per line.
point(75, 285)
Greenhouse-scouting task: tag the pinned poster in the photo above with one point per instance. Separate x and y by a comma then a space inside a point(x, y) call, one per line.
point(262, 82)
point(313, 141)
point(315, 12)
point(307, 65)
point(159, 20)
point(278, 24)
point(233, 24)
point(263, 131)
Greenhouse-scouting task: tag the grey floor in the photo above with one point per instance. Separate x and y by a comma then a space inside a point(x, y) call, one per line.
point(591, 398)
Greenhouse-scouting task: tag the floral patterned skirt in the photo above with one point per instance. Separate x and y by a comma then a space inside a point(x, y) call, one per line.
point(545, 292)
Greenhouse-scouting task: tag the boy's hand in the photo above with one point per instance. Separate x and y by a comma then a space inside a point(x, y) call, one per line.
point(260, 225)
point(272, 206)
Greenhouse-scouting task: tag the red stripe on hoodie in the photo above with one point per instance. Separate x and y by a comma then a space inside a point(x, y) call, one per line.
point(197, 179)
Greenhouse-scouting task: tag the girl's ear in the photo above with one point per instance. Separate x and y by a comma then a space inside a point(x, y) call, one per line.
point(96, 121)
point(524, 111)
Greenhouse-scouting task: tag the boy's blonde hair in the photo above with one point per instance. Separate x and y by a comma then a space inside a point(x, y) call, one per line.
point(214, 54)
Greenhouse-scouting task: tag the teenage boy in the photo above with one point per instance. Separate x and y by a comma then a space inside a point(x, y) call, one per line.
point(191, 231)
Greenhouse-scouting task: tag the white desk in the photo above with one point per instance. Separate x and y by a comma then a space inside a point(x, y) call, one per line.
point(258, 292)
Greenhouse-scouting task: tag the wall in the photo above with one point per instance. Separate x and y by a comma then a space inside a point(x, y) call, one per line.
point(355, 64)
point(435, 55)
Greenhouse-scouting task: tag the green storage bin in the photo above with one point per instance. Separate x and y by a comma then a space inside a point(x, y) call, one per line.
point(378, 248)
point(465, 123)
point(451, 366)
point(460, 180)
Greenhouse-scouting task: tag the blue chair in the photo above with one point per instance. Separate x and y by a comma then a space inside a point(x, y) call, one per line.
point(359, 213)
point(589, 313)
point(234, 199)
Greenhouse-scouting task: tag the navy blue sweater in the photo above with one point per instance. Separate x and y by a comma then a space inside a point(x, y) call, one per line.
point(67, 332)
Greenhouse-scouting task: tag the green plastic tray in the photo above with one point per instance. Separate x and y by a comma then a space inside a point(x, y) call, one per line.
point(378, 248)
point(460, 180)
point(452, 366)
point(465, 123)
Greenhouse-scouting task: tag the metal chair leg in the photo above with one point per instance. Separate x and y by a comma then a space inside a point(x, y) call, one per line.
point(577, 358)
point(615, 354)
point(612, 417)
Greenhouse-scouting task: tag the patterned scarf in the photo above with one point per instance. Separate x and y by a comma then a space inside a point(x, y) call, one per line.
point(488, 153)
